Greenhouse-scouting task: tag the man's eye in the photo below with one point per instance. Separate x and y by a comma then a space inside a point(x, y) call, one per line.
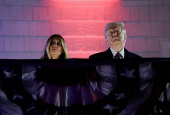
point(111, 32)
point(117, 31)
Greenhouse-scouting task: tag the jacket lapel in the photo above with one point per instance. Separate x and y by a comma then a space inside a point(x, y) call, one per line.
point(127, 54)
point(108, 54)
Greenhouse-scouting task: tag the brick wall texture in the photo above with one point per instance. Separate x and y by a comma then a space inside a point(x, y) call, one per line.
point(25, 25)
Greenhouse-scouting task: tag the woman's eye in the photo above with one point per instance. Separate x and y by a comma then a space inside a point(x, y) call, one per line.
point(51, 43)
point(59, 43)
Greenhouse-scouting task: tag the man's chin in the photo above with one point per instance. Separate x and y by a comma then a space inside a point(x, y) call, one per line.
point(117, 47)
point(116, 43)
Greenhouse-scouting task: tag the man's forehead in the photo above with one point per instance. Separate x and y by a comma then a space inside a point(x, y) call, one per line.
point(114, 27)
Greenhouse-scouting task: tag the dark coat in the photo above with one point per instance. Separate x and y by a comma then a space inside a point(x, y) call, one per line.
point(125, 84)
point(108, 55)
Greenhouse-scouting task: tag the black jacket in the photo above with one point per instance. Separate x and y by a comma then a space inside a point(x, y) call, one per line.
point(108, 55)
point(128, 86)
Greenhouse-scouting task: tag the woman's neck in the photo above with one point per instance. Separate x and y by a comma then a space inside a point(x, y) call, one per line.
point(55, 56)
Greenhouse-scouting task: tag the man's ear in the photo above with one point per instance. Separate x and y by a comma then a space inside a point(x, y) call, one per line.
point(125, 37)
point(106, 41)
point(124, 40)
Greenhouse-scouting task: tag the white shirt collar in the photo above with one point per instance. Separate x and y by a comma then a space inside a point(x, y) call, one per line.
point(121, 52)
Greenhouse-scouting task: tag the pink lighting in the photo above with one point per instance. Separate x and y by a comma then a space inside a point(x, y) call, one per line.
point(82, 24)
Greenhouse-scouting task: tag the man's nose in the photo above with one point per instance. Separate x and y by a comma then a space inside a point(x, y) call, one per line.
point(114, 34)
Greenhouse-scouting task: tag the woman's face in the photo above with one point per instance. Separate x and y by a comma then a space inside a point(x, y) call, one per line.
point(55, 48)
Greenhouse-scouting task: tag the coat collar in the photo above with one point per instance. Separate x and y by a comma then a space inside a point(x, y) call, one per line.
point(127, 54)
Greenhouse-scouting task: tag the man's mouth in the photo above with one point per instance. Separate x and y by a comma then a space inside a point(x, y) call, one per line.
point(116, 39)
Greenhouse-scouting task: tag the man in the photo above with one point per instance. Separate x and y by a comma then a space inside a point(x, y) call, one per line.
point(119, 88)
point(115, 36)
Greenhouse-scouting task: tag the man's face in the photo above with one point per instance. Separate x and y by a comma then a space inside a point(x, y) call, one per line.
point(115, 38)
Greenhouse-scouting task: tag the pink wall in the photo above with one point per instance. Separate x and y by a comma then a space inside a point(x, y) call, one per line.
point(25, 25)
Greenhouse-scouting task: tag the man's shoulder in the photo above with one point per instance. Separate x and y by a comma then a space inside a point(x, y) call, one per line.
point(97, 55)
point(101, 55)
point(131, 55)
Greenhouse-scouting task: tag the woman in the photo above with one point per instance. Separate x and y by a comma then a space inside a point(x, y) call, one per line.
point(58, 97)
point(55, 48)
point(58, 90)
